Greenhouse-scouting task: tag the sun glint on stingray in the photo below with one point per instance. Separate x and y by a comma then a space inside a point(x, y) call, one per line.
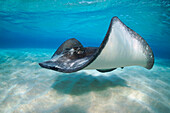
point(121, 47)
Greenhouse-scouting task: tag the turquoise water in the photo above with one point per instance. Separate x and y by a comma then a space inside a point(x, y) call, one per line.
point(30, 32)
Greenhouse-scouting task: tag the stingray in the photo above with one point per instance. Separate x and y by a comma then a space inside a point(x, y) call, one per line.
point(121, 47)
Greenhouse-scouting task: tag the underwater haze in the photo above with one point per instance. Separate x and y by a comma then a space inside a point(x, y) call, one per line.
point(32, 30)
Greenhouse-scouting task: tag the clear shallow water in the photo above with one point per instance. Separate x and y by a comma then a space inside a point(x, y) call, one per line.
point(25, 87)
point(46, 23)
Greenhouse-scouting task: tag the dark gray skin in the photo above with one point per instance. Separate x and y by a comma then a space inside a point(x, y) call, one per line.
point(69, 57)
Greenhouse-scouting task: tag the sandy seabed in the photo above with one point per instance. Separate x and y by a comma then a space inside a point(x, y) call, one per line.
point(25, 87)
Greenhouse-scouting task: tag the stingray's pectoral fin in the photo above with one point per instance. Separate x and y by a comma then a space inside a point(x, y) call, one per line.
point(71, 56)
point(122, 47)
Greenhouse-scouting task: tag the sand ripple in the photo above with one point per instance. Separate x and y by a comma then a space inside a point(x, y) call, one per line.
point(26, 87)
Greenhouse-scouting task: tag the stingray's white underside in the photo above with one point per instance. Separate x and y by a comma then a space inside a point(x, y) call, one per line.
point(122, 49)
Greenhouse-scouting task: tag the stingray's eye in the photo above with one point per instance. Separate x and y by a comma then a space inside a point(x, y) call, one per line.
point(75, 48)
point(80, 52)
point(67, 49)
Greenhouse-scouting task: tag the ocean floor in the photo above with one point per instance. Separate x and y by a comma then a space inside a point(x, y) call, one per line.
point(25, 87)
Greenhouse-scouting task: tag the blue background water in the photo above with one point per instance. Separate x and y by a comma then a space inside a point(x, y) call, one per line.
point(47, 23)
point(30, 32)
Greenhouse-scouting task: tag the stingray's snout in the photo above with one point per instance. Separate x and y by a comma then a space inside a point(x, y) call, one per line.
point(49, 65)
point(45, 64)
point(41, 64)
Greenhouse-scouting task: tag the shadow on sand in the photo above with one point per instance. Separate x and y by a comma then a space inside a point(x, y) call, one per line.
point(72, 109)
point(80, 83)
